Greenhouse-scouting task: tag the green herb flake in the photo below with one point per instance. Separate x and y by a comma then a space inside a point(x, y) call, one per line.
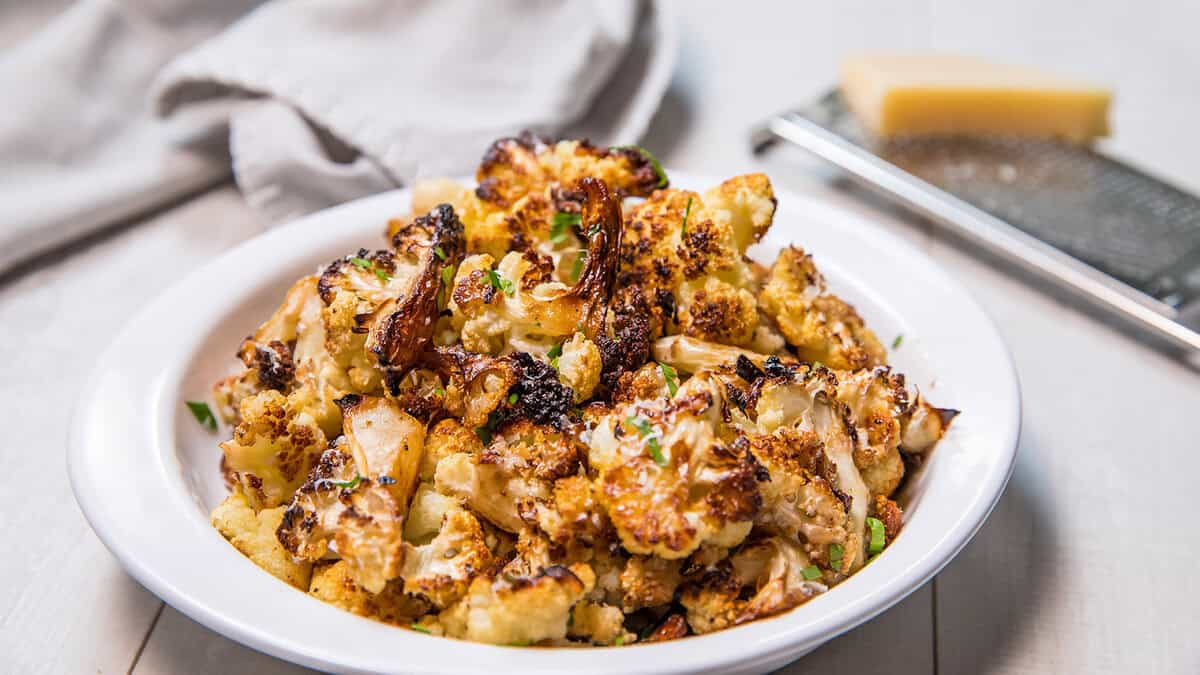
point(658, 170)
point(512, 398)
point(656, 451)
point(439, 391)
point(437, 250)
point(500, 283)
point(348, 484)
point(561, 225)
point(382, 275)
point(645, 429)
point(898, 341)
point(361, 263)
point(484, 435)
point(686, 212)
point(835, 556)
point(421, 629)
point(577, 267)
point(554, 353)
point(447, 276)
point(203, 414)
point(811, 572)
point(878, 538)
point(671, 376)
point(619, 640)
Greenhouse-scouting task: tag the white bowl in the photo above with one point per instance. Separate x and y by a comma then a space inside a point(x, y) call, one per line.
point(146, 474)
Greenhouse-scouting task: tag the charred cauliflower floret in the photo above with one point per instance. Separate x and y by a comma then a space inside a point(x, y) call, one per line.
point(334, 583)
point(441, 570)
point(683, 258)
point(799, 407)
point(773, 570)
point(355, 499)
point(272, 449)
point(519, 610)
point(425, 514)
point(254, 535)
point(517, 304)
point(821, 326)
point(513, 477)
point(667, 480)
point(877, 401)
point(923, 425)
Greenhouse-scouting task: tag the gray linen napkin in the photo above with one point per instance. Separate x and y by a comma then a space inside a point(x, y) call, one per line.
point(317, 102)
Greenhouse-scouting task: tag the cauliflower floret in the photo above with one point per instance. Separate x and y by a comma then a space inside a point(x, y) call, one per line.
point(683, 260)
point(648, 581)
point(923, 425)
point(447, 437)
point(771, 569)
point(440, 570)
point(667, 481)
point(579, 366)
point(747, 203)
point(267, 354)
point(254, 535)
point(425, 513)
point(272, 449)
point(717, 311)
point(355, 500)
point(598, 623)
point(821, 326)
point(519, 305)
point(513, 478)
point(519, 610)
point(804, 401)
point(334, 583)
point(877, 400)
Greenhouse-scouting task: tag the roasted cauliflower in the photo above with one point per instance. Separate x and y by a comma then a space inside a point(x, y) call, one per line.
point(564, 407)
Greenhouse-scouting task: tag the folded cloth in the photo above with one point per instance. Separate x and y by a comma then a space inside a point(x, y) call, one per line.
point(318, 102)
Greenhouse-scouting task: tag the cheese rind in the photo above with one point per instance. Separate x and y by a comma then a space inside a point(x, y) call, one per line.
point(920, 95)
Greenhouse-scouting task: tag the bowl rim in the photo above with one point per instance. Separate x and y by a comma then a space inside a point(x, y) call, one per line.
point(116, 482)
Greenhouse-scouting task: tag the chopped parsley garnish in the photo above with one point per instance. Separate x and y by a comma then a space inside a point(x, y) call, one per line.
point(562, 223)
point(437, 250)
point(835, 556)
point(811, 572)
point(646, 430)
point(421, 629)
point(348, 484)
point(878, 538)
point(686, 212)
point(203, 414)
point(658, 170)
point(500, 282)
point(671, 377)
point(619, 640)
point(439, 391)
point(512, 398)
point(554, 353)
point(364, 264)
point(898, 341)
point(447, 276)
point(577, 268)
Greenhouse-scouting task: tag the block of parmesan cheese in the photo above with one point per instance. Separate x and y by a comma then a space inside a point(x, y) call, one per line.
point(938, 94)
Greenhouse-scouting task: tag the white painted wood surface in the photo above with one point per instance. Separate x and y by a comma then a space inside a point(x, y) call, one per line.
point(1086, 566)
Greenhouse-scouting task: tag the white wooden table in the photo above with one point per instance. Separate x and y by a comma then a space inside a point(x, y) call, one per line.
point(1088, 563)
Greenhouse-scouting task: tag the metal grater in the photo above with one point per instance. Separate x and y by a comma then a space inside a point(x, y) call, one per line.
point(1126, 241)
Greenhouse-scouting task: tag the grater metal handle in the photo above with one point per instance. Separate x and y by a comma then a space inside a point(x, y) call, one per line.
point(978, 226)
